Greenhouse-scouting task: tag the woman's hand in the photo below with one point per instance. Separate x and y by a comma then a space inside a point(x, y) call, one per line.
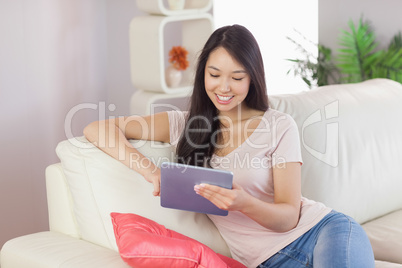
point(226, 199)
point(154, 177)
point(281, 216)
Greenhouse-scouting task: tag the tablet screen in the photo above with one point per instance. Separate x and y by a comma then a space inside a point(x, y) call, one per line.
point(177, 187)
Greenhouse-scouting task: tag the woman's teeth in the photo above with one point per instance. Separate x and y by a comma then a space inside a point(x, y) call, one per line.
point(222, 98)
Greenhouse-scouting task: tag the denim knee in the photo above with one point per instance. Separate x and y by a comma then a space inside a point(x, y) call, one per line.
point(342, 243)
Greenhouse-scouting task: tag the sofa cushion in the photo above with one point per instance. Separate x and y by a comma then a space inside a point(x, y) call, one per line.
point(145, 243)
point(351, 139)
point(385, 234)
point(384, 264)
point(100, 185)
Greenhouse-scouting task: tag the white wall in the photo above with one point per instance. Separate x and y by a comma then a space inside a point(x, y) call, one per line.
point(54, 55)
point(385, 17)
point(271, 22)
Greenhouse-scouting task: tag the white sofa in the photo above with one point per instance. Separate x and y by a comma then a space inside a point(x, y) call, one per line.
point(351, 138)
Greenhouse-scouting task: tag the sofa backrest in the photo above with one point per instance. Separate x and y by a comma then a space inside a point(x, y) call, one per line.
point(99, 185)
point(351, 139)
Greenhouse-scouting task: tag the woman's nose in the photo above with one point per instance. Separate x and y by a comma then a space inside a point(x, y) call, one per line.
point(225, 87)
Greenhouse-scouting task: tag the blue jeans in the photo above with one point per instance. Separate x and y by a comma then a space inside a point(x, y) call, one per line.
point(336, 241)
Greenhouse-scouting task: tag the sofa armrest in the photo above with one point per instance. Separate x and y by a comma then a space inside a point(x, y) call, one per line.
point(52, 249)
point(60, 204)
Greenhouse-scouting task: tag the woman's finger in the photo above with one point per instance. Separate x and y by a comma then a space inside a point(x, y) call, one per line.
point(217, 195)
point(156, 191)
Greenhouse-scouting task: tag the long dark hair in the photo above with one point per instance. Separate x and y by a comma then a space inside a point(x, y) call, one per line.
point(197, 143)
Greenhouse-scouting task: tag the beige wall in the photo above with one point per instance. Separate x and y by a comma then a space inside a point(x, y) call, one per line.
point(385, 17)
point(54, 55)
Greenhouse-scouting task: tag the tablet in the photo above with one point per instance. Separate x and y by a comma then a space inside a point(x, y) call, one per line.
point(177, 187)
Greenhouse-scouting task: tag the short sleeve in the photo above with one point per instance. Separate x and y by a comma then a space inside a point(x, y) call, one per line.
point(288, 145)
point(177, 122)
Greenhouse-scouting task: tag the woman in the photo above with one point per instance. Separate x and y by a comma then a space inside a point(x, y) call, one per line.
point(229, 126)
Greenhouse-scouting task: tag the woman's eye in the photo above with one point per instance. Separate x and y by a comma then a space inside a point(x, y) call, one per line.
point(237, 79)
point(213, 75)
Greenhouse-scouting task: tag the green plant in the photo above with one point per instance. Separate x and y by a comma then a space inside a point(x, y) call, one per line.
point(359, 59)
point(314, 70)
point(396, 42)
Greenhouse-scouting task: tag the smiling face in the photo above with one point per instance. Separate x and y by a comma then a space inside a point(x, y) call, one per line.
point(226, 81)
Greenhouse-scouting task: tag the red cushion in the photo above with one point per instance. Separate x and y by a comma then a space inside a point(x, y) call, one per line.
point(145, 243)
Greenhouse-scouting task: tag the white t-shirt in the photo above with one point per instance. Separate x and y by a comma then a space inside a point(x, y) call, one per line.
point(274, 141)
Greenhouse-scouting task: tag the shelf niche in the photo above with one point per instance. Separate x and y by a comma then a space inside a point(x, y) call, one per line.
point(147, 103)
point(149, 54)
point(161, 7)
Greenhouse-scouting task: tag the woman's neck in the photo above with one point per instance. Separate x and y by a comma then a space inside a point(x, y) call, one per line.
point(240, 113)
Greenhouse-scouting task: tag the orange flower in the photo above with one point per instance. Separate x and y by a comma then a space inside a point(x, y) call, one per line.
point(178, 57)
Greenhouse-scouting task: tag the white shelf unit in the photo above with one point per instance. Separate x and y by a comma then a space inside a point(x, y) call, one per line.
point(147, 49)
point(160, 7)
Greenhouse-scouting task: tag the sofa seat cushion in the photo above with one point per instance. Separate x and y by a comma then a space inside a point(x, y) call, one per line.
point(385, 264)
point(145, 243)
point(385, 234)
point(53, 249)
